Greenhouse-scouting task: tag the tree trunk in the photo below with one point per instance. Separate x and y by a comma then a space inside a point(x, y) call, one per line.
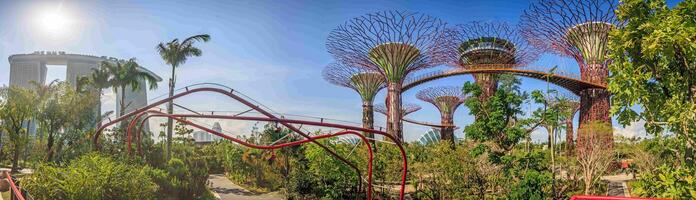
point(394, 112)
point(15, 158)
point(447, 133)
point(49, 147)
point(368, 123)
point(594, 104)
point(170, 110)
point(569, 136)
point(488, 84)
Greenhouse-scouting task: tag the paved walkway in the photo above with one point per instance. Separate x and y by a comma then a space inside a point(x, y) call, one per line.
point(225, 189)
point(617, 184)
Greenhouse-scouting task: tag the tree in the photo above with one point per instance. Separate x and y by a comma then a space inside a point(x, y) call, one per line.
point(17, 106)
point(500, 118)
point(176, 53)
point(60, 105)
point(654, 65)
point(593, 156)
point(122, 74)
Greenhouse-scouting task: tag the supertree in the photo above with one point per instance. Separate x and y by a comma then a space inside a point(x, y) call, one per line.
point(364, 81)
point(477, 45)
point(394, 43)
point(577, 29)
point(406, 109)
point(447, 100)
point(567, 105)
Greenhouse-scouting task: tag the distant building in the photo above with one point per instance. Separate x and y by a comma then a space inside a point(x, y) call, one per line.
point(432, 136)
point(25, 68)
point(205, 137)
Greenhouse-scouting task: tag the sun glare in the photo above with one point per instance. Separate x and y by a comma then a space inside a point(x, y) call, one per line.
point(54, 22)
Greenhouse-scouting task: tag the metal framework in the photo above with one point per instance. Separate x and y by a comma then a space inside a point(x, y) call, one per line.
point(15, 192)
point(268, 117)
point(406, 109)
point(446, 100)
point(393, 43)
point(366, 82)
point(481, 45)
point(577, 29)
point(572, 84)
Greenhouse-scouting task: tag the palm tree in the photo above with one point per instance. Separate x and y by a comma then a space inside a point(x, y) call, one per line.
point(176, 53)
point(122, 74)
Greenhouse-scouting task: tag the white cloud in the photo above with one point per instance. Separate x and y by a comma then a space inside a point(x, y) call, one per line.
point(635, 129)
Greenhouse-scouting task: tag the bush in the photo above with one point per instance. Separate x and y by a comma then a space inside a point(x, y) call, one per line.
point(667, 182)
point(92, 176)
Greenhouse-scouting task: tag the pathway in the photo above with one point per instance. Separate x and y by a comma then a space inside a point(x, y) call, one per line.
point(617, 184)
point(225, 189)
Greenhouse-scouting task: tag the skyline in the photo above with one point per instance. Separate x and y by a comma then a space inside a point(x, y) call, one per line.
point(275, 56)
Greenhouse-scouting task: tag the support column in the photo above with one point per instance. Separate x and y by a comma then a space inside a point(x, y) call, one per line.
point(488, 84)
point(594, 104)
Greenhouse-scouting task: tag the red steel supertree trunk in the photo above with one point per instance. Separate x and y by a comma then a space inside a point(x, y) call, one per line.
point(477, 45)
point(364, 81)
point(577, 29)
point(446, 100)
point(393, 43)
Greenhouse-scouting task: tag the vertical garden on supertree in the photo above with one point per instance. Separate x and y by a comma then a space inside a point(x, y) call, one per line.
point(488, 45)
point(446, 100)
point(577, 29)
point(364, 81)
point(393, 43)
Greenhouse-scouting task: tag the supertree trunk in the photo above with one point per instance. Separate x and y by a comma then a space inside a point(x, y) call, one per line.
point(368, 122)
point(569, 136)
point(594, 104)
point(488, 84)
point(394, 124)
point(447, 132)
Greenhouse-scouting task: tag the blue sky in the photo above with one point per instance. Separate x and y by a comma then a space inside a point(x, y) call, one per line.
point(273, 51)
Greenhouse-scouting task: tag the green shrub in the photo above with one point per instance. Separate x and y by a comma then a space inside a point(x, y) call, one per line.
point(667, 182)
point(89, 177)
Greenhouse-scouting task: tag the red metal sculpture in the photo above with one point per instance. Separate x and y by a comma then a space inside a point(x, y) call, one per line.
point(270, 118)
point(181, 118)
point(15, 191)
point(394, 44)
point(577, 29)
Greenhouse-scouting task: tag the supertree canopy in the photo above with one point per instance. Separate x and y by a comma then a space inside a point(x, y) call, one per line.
point(447, 100)
point(488, 45)
point(406, 109)
point(394, 43)
point(364, 81)
point(578, 29)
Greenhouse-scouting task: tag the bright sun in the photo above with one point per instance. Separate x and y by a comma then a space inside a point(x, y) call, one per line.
point(55, 22)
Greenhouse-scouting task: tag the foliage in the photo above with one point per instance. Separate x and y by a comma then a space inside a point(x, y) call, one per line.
point(16, 109)
point(92, 176)
point(654, 66)
point(499, 119)
point(534, 185)
point(667, 182)
point(121, 74)
point(593, 156)
point(176, 53)
point(61, 109)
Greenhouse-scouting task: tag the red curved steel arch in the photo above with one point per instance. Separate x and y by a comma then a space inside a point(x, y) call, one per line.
point(15, 191)
point(277, 146)
point(228, 94)
point(572, 84)
point(284, 122)
point(404, 170)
